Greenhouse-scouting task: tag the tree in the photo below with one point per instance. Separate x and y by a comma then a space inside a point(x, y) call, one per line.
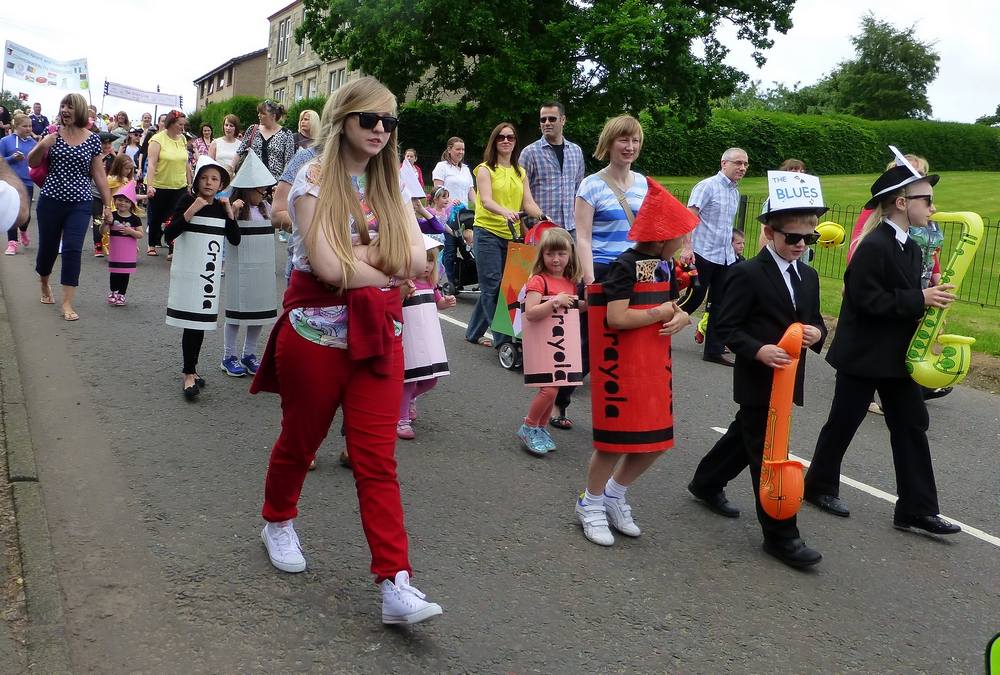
point(990, 120)
point(603, 56)
point(889, 76)
point(10, 102)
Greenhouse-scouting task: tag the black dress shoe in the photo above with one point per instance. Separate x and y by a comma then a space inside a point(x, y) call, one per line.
point(830, 504)
point(932, 524)
point(936, 393)
point(793, 552)
point(191, 393)
point(200, 381)
point(718, 358)
point(715, 501)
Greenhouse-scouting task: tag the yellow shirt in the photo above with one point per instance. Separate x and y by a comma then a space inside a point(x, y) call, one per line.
point(508, 192)
point(171, 169)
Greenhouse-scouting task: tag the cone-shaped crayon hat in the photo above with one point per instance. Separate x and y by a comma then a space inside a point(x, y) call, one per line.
point(203, 163)
point(661, 216)
point(127, 191)
point(253, 173)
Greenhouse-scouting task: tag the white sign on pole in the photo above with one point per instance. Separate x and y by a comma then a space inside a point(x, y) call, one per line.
point(128, 93)
point(30, 66)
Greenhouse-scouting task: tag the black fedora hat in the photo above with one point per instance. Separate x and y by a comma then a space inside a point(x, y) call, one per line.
point(897, 177)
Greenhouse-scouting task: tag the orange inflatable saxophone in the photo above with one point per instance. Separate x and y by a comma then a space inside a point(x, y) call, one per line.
point(781, 479)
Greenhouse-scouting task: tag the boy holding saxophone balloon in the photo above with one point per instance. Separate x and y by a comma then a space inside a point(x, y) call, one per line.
point(883, 303)
point(764, 296)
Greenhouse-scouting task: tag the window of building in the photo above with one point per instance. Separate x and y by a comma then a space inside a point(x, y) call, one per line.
point(222, 81)
point(203, 87)
point(298, 91)
point(279, 95)
point(302, 47)
point(311, 87)
point(229, 76)
point(284, 35)
point(211, 86)
point(337, 79)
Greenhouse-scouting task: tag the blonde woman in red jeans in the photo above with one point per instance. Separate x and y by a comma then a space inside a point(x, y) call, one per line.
point(338, 343)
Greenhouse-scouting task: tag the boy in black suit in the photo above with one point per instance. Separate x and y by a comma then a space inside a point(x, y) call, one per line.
point(883, 303)
point(764, 296)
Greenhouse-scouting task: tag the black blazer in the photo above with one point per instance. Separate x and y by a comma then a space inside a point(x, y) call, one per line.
point(882, 306)
point(756, 310)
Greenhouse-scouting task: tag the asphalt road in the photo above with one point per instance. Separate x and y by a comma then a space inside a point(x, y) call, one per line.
point(154, 502)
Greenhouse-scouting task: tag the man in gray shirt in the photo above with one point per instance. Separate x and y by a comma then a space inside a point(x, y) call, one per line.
point(715, 201)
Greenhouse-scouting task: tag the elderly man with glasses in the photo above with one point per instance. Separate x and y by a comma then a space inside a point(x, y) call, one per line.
point(715, 201)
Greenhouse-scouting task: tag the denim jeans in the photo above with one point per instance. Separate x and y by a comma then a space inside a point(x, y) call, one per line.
point(491, 256)
point(65, 222)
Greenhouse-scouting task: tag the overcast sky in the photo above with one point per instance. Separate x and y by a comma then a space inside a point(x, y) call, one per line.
point(966, 33)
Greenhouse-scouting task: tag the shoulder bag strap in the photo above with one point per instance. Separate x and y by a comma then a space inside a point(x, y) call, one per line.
point(619, 195)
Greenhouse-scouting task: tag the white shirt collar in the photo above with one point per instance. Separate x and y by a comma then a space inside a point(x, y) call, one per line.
point(781, 262)
point(901, 235)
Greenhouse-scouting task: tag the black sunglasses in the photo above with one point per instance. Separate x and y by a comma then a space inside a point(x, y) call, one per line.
point(368, 120)
point(927, 198)
point(506, 137)
point(792, 238)
point(551, 118)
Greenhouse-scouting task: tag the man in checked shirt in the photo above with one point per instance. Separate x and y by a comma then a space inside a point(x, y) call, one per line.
point(715, 201)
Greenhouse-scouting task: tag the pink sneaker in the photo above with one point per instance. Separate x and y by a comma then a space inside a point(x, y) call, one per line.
point(25, 240)
point(11, 248)
point(120, 300)
point(405, 431)
point(112, 297)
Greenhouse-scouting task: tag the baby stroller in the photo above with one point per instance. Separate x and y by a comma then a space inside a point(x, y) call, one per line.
point(510, 354)
point(460, 261)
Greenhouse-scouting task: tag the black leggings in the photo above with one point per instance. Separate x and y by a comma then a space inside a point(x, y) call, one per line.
point(161, 207)
point(190, 347)
point(119, 282)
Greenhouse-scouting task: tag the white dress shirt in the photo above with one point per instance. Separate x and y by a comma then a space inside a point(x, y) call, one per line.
point(786, 267)
point(901, 234)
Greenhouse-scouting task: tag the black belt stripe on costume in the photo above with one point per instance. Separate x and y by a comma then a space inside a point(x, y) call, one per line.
point(643, 298)
point(218, 230)
point(261, 229)
point(419, 299)
point(549, 378)
point(266, 314)
point(121, 265)
point(191, 316)
point(116, 233)
point(633, 437)
point(424, 371)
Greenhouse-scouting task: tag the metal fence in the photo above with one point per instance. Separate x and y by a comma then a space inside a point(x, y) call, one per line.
point(980, 286)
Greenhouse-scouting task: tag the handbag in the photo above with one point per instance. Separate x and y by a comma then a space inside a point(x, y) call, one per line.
point(39, 173)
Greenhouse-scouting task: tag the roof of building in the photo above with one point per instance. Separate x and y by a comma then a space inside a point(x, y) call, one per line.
point(284, 9)
point(231, 62)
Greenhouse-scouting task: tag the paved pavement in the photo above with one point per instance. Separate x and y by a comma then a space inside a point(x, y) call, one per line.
point(153, 507)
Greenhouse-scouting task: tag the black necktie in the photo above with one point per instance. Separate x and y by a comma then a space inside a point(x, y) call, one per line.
point(796, 282)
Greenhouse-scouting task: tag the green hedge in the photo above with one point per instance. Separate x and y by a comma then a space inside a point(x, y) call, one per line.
point(244, 107)
point(828, 144)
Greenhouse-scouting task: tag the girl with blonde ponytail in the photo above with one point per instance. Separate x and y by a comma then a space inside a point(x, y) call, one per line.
point(338, 343)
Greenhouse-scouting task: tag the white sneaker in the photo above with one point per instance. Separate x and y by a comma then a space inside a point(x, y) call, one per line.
point(402, 603)
point(283, 547)
point(620, 516)
point(594, 520)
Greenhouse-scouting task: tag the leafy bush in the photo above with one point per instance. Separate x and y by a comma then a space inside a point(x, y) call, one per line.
point(244, 107)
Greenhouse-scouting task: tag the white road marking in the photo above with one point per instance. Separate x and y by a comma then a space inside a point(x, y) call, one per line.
point(891, 498)
point(873, 491)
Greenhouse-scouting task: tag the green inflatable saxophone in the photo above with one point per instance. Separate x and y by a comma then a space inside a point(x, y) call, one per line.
point(950, 364)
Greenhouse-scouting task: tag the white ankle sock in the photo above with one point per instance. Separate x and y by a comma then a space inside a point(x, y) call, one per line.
point(592, 500)
point(614, 490)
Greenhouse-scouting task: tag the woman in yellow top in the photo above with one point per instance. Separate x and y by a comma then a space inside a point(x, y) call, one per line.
point(502, 192)
point(168, 176)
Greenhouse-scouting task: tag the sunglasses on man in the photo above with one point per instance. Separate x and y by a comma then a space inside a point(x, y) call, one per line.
point(368, 120)
point(792, 238)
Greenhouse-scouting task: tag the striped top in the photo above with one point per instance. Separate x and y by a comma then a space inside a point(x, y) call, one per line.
point(609, 237)
point(717, 199)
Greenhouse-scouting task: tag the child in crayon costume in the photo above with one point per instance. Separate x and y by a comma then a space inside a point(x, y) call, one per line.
point(764, 296)
point(251, 294)
point(658, 229)
point(210, 177)
point(552, 285)
point(124, 231)
point(424, 357)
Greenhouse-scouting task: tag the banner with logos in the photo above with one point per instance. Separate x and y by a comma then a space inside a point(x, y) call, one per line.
point(128, 93)
point(30, 66)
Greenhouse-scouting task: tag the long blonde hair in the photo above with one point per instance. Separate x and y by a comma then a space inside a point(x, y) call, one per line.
point(338, 203)
point(878, 213)
point(558, 239)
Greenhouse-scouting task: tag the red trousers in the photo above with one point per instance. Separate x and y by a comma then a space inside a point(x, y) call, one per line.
point(541, 407)
point(314, 381)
